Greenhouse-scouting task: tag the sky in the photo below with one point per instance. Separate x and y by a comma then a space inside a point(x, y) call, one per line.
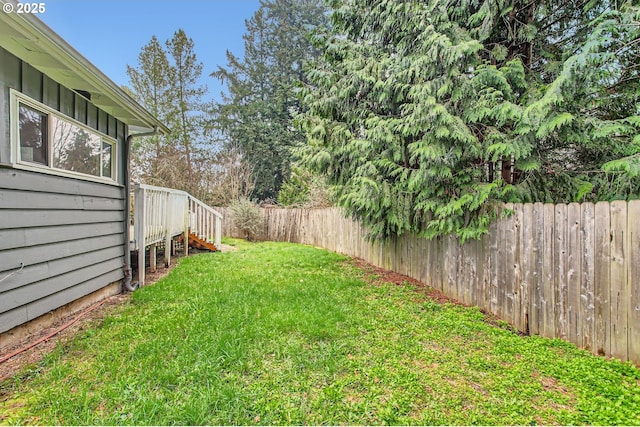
point(111, 33)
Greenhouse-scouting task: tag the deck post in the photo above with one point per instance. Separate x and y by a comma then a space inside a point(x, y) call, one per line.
point(138, 221)
point(167, 227)
point(186, 226)
point(153, 252)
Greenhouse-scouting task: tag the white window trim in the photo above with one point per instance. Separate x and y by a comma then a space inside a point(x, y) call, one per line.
point(17, 97)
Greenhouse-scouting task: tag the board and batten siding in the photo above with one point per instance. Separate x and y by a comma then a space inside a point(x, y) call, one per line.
point(61, 238)
point(19, 75)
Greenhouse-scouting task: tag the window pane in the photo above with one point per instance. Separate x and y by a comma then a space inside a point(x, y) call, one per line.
point(74, 148)
point(33, 135)
point(106, 160)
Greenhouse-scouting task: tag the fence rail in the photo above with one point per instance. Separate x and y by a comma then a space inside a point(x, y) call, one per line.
point(160, 214)
point(560, 271)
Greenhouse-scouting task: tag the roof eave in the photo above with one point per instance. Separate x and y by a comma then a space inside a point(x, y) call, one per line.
point(124, 107)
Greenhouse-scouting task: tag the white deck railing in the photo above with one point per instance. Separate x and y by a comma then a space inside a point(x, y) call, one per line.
point(205, 222)
point(160, 214)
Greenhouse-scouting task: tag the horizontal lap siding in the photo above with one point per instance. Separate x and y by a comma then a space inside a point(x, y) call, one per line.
point(29, 312)
point(68, 233)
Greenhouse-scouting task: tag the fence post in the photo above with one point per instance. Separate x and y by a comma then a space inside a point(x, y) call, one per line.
point(218, 230)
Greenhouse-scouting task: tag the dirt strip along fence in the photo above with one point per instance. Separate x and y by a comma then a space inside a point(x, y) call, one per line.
point(560, 271)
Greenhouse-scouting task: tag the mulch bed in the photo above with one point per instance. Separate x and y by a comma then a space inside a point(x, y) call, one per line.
point(377, 275)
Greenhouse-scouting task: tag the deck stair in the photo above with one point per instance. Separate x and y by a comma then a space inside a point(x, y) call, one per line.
point(196, 242)
point(163, 216)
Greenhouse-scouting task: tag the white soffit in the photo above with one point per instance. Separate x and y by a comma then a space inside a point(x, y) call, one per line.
point(28, 38)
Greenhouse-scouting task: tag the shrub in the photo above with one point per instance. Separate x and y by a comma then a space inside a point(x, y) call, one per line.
point(247, 217)
point(304, 189)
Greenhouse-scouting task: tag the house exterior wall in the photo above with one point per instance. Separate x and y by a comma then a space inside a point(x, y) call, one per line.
point(66, 232)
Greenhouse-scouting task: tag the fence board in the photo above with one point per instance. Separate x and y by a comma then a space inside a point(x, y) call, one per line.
point(335, 243)
point(405, 250)
point(393, 255)
point(431, 252)
point(458, 260)
point(449, 267)
point(518, 291)
point(439, 270)
point(560, 271)
point(430, 257)
point(467, 255)
point(478, 287)
point(386, 248)
point(360, 244)
point(507, 261)
point(423, 250)
point(484, 273)
point(461, 281)
point(403, 246)
point(415, 257)
point(574, 272)
point(634, 280)
point(473, 261)
point(494, 268)
point(602, 265)
point(547, 297)
point(527, 259)
point(536, 293)
point(376, 255)
point(442, 254)
point(500, 270)
point(587, 275)
point(378, 247)
point(619, 291)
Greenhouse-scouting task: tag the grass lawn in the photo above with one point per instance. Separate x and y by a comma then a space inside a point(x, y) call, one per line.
point(288, 334)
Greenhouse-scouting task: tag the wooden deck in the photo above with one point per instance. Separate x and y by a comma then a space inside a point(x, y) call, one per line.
point(162, 216)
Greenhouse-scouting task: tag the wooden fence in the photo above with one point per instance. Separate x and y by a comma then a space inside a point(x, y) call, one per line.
point(560, 271)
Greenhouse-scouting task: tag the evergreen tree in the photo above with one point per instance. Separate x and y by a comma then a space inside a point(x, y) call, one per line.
point(425, 114)
point(186, 120)
point(151, 86)
point(257, 113)
point(166, 83)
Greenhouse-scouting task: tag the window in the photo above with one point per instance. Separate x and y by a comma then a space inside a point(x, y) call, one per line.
point(107, 165)
point(48, 139)
point(33, 135)
point(75, 149)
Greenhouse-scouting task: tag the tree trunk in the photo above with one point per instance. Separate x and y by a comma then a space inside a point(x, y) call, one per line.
point(506, 170)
